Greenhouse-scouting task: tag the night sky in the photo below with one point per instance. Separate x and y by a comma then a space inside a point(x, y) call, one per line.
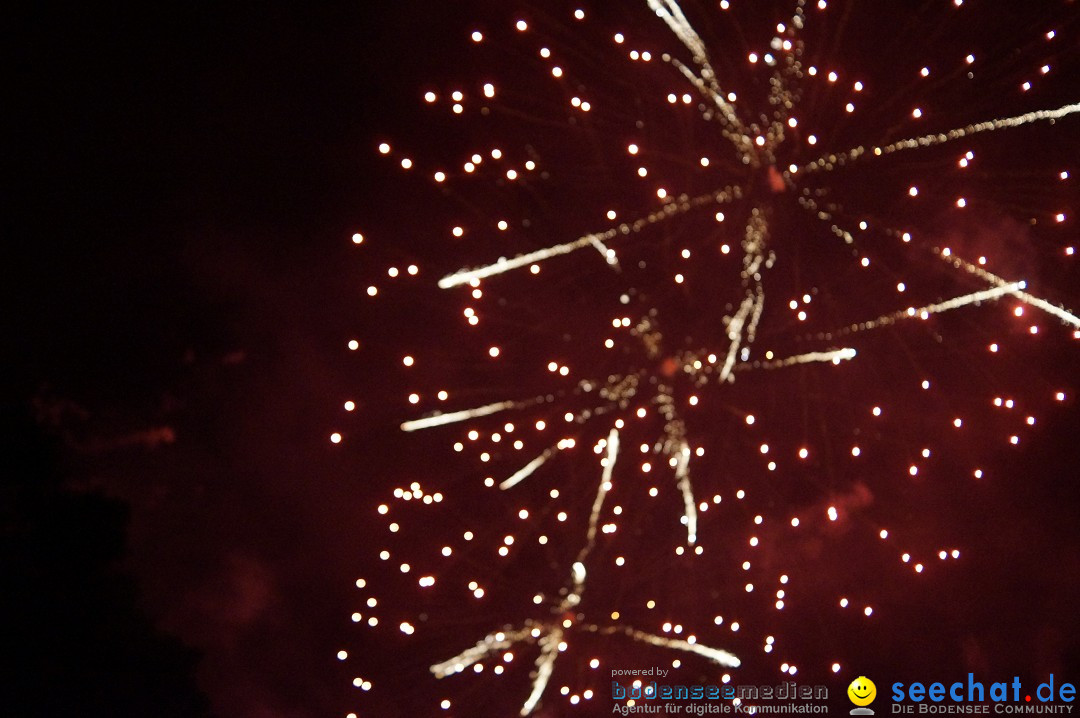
point(183, 182)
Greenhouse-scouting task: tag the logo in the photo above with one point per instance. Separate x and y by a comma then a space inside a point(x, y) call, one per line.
point(972, 696)
point(862, 693)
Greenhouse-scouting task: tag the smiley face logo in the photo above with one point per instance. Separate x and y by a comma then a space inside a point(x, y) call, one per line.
point(862, 691)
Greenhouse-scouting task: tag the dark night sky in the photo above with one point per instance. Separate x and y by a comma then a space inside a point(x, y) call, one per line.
point(184, 179)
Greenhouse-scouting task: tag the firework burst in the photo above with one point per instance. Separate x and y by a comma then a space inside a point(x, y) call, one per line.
point(705, 320)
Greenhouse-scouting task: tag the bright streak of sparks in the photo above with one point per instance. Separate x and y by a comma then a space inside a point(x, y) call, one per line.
point(672, 15)
point(827, 162)
point(716, 655)
point(668, 211)
point(682, 476)
point(923, 312)
point(490, 644)
point(1052, 309)
point(527, 470)
point(601, 494)
point(545, 665)
point(456, 416)
point(834, 356)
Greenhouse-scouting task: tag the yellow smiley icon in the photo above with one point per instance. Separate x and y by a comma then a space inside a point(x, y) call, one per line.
point(862, 691)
